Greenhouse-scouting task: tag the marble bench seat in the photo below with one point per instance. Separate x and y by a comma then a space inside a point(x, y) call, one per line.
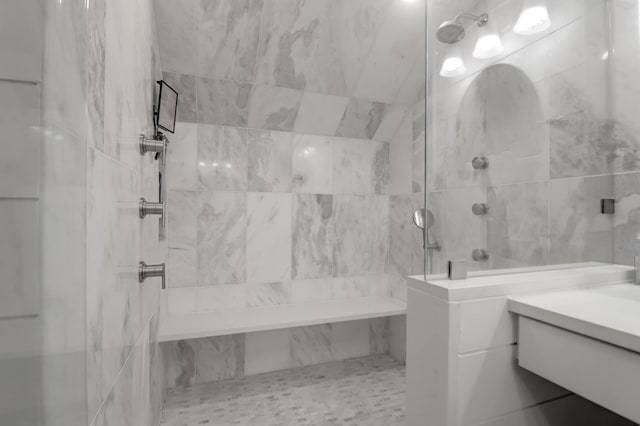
point(179, 326)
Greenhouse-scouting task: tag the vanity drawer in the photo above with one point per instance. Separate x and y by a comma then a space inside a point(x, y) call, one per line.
point(485, 324)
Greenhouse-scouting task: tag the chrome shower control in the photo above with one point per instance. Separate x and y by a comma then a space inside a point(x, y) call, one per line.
point(480, 209)
point(148, 271)
point(152, 145)
point(480, 163)
point(145, 208)
point(480, 255)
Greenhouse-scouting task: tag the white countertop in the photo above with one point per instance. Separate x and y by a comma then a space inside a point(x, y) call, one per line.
point(507, 282)
point(609, 313)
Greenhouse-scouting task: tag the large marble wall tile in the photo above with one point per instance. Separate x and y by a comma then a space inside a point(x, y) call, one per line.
point(320, 114)
point(361, 235)
point(267, 351)
point(311, 345)
point(227, 33)
point(353, 287)
point(626, 222)
point(268, 294)
point(182, 158)
point(222, 222)
point(96, 33)
point(399, 44)
point(581, 145)
point(518, 232)
point(20, 121)
point(301, 51)
point(185, 85)
point(223, 102)
point(20, 246)
point(22, 26)
point(393, 118)
point(312, 236)
point(398, 337)
point(182, 222)
point(312, 164)
point(350, 339)
point(269, 239)
point(360, 167)
point(219, 358)
point(269, 161)
point(175, 20)
point(303, 291)
point(220, 297)
point(401, 234)
point(179, 362)
point(222, 158)
point(379, 335)
point(515, 133)
point(579, 232)
point(361, 119)
point(401, 159)
point(273, 108)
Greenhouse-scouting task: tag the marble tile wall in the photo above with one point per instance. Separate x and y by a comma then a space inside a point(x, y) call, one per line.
point(546, 128)
point(195, 361)
point(334, 69)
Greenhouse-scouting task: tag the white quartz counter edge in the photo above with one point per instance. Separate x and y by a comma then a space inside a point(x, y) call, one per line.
point(507, 282)
point(608, 313)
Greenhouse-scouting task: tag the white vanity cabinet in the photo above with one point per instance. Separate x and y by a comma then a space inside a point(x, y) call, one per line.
point(462, 367)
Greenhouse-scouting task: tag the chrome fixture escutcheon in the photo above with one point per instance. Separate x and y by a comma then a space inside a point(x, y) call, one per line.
point(150, 271)
point(480, 255)
point(480, 209)
point(480, 163)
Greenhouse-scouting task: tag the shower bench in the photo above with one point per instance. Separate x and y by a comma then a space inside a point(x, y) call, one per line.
point(181, 326)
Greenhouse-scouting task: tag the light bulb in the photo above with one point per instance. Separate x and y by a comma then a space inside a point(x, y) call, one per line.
point(489, 43)
point(533, 19)
point(453, 64)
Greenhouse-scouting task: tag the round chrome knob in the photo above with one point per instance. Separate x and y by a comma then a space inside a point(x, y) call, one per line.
point(480, 209)
point(480, 255)
point(480, 163)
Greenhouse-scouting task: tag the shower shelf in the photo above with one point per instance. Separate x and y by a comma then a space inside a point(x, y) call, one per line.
point(208, 324)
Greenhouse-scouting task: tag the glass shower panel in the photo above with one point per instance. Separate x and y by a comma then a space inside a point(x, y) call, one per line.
point(42, 205)
point(518, 132)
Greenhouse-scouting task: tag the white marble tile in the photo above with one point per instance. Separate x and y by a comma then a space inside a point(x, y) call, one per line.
point(20, 121)
point(311, 345)
point(227, 34)
point(182, 223)
point(312, 233)
point(379, 335)
point(391, 122)
point(180, 300)
point(303, 291)
point(300, 51)
point(20, 257)
point(626, 221)
point(518, 231)
point(362, 241)
point(219, 358)
point(222, 222)
point(221, 297)
point(578, 231)
point(182, 267)
point(176, 23)
point(312, 164)
point(398, 338)
point(360, 166)
point(351, 287)
point(273, 108)
point(179, 362)
point(320, 114)
point(361, 119)
point(269, 161)
point(22, 26)
point(269, 228)
point(267, 351)
point(182, 158)
point(350, 339)
point(222, 158)
point(402, 232)
point(401, 158)
point(223, 102)
point(268, 294)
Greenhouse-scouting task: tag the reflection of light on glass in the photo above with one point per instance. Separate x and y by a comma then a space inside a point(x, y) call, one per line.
point(214, 164)
point(605, 55)
point(228, 165)
point(453, 64)
point(201, 164)
point(533, 19)
point(489, 43)
point(308, 152)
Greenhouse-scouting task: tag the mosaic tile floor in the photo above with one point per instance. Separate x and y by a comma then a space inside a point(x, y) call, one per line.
point(359, 392)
